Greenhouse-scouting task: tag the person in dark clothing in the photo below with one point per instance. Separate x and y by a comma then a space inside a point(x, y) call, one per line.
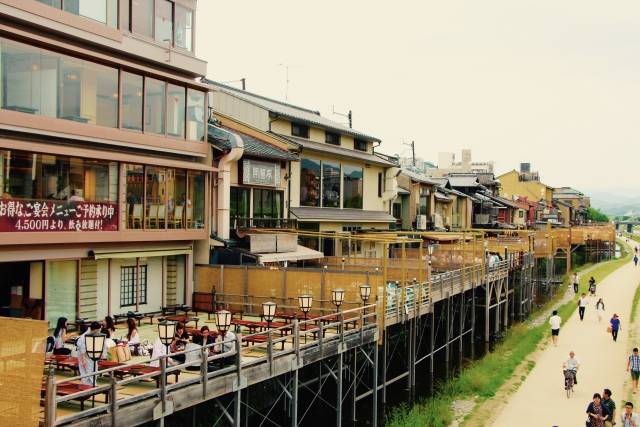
point(608, 403)
point(615, 326)
point(597, 412)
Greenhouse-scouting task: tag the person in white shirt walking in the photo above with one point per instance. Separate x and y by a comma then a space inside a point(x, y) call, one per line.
point(555, 321)
point(582, 305)
point(628, 418)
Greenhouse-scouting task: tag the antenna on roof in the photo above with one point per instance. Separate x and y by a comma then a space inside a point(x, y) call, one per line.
point(349, 115)
point(286, 88)
point(242, 80)
point(413, 150)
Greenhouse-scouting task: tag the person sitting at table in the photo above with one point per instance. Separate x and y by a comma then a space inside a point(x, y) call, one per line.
point(86, 366)
point(109, 327)
point(60, 336)
point(159, 350)
point(205, 338)
point(226, 345)
point(180, 340)
point(133, 338)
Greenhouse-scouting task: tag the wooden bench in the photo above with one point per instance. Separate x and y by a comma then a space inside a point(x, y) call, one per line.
point(259, 339)
point(71, 387)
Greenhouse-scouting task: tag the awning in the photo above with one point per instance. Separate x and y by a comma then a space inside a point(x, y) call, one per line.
point(142, 253)
point(302, 253)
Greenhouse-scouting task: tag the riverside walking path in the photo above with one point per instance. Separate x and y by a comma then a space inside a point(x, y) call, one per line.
point(541, 399)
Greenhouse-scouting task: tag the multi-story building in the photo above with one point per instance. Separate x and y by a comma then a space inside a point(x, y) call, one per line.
point(339, 184)
point(447, 164)
point(104, 164)
point(573, 204)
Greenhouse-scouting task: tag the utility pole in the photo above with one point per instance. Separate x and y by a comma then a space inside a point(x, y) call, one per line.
point(413, 151)
point(349, 115)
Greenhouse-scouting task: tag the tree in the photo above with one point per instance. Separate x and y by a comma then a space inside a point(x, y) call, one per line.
point(595, 215)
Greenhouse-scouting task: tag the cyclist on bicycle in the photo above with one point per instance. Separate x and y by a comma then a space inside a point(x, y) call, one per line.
point(571, 367)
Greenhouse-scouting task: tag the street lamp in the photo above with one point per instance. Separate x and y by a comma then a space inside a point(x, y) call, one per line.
point(268, 312)
point(365, 293)
point(166, 332)
point(94, 346)
point(305, 301)
point(223, 321)
point(337, 296)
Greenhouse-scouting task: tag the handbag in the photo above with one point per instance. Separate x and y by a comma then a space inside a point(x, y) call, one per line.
point(609, 329)
point(588, 422)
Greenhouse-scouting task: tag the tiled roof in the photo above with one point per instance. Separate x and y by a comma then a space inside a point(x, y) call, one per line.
point(252, 146)
point(340, 215)
point(442, 197)
point(338, 151)
point(289, 111)
point(418, 177)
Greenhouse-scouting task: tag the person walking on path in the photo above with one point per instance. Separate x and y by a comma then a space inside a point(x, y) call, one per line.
point(633, 366)
point(615, 326)
point(600, 309)
point(597, 412)
point(608, 403)
point(635, 260)
point(582, 305)
point(555, 321)
point(628, 418)
point(576, 283)
point(592, 286)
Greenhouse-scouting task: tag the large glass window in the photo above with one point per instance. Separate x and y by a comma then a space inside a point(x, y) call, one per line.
point(239, 207)
point(310, 182)
point(104, 11)
point(154, 106)
point(195, 115)
point(25, 175)
point(330, 185)
point(352, 187)
point(175, 110)
point(142, 17)
point(177, 194)
point(156, 198)
point(132, 101)
point(184, 27)
point(46, 83)
point(164, 21)
point(195, 200)
point(135, 196)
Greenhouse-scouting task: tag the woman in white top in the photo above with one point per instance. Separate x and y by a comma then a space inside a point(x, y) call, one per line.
point(60, 336)
point(600, 309)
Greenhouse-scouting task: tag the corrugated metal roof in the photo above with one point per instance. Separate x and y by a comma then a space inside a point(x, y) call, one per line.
point(403, 190)
point(338, 151)
point(289, 111)
point(340, 215)
point(252, 146)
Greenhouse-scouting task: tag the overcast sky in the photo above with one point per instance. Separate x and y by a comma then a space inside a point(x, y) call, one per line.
point(554, 83)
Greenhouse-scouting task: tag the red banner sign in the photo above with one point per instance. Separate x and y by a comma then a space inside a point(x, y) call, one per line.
point(56, 215)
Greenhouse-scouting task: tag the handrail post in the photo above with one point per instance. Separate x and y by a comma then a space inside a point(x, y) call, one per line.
point(320, 334)
point(270, 351)
point(204, 364)
point(341, 326)
point(163, 383)
point(50, 399)
point(113, 395)
point(238, 357)
point(296, 340)
point(361, 326)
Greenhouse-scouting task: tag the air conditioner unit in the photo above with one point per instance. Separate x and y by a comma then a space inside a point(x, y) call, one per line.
point(421, 222)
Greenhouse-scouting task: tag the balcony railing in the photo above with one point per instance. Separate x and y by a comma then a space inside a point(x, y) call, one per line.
point(238, 223)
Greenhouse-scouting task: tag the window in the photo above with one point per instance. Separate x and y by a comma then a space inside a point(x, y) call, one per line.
point(195, 115)
point(521, 214)
point(397, 210)
point(267, 203)
point(130, 286)
point(352, 187)
point(161, 198)
point(300, 130)
point(42, 82)
point(184, 27)
point(360, 144)
point(332, 138)
point(26, 175)
point(132, 101)
point(380, 184)
point(424, 205)
point(308, 241)
point(176, 102)
point(142, 17)
point(164, 22)
point(154, 106)
point(103, 11)
point(239, 207)
point(310, 182)
point(330, 185)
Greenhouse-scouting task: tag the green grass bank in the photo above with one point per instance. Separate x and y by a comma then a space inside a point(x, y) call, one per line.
point(483, 378)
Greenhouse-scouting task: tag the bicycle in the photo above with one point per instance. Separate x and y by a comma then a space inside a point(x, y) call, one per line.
point(569, 379)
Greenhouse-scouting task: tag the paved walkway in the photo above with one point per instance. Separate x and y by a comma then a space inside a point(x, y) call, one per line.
point(541, 401)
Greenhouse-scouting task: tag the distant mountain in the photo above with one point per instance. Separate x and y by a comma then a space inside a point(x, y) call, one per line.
point(616, 201)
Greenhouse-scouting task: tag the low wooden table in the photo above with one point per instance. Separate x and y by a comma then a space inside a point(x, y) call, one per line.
point(71, 387)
